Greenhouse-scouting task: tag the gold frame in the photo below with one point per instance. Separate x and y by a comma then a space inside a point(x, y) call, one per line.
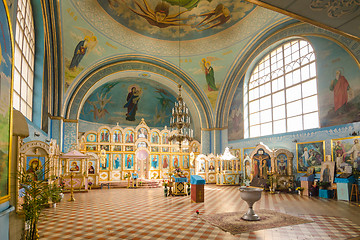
point(6, 197)
point(332, 147)
point(297, 155)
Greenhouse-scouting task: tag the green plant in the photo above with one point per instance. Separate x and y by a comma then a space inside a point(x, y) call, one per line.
point(36, 193)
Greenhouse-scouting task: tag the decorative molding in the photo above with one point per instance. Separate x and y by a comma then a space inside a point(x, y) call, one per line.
point(301, 18)
point(335, 8)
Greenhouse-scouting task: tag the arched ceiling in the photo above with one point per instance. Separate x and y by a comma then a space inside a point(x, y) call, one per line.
point(204, 44)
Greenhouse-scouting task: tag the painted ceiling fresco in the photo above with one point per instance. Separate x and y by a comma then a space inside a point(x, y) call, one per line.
point(177, 19)
point(126, 101)
point(213, 35)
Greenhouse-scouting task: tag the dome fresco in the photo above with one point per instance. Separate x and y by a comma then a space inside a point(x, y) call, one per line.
point(173, 20)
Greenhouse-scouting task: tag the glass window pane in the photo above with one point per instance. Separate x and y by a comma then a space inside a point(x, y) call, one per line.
point(278, 98)
point(17, 80)
point(278, 84)
point(266, 129)
point(312, 70)
point(254, 106)
point(23, 107)
point(294, 124)
point(305, 72)
point(311, 120)
point(265, 89)
point(310, 104)
point(253, 94)
point(23, 89)
point(16, 101)
point(254, 118)
point(279, 126)
point(279, 112)
point(294, 108)
point(17, 57)
point(265, 102)
point(255, 131)
point(293, 93)
point(265, 116)
point(309, 88)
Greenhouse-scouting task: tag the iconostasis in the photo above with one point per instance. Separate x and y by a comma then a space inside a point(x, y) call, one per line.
point(145, 151)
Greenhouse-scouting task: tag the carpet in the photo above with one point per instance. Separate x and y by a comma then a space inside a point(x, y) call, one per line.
point(232, 222)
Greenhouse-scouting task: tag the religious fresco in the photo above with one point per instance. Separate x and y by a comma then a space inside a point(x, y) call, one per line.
point(345, 153)
point(236, 121)
point(162, 19)
point(6, 63)
point(338, 83)
point(310, 154)
point(338, 89)
point(126, 102)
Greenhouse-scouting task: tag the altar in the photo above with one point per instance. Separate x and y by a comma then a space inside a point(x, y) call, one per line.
point(179, 186)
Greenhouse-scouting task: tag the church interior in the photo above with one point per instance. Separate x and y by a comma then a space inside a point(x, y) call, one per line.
point(179, 119)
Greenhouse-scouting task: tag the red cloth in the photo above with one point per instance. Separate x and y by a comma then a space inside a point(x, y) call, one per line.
point(340, 92)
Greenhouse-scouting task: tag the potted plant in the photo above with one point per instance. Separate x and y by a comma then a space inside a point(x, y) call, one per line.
point(90, 184)
point(37, 192)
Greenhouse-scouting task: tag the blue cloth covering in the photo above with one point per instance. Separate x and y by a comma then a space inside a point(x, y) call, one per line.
point(350, 179)
point(180, 179)
point(197, 180)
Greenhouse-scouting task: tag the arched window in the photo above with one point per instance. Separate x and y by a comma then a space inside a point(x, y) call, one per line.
point(281, 95)
point(24, 59)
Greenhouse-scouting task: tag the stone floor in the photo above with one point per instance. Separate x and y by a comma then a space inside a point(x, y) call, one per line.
point(147, 214)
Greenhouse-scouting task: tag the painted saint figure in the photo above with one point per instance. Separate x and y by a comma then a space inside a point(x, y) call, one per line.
point(340, 86)
point(132, 99)
point(209, 75)
point(74, 167)
point(326, 174)
point(81, 49)
point(165, 162)
point(128, 162)
point(91, 169)
point(154, 162)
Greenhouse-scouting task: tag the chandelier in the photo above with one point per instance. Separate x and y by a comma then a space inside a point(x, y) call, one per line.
point(180, 122)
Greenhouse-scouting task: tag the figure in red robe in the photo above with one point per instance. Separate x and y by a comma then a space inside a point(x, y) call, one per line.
point(340, 86)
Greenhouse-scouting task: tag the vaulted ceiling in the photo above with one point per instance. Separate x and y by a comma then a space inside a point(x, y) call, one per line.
point(337, 15)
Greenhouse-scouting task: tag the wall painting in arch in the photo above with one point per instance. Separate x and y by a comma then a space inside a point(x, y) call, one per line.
point(127, 101)
point(6, 63)
point(338, 83)
point(236, 119)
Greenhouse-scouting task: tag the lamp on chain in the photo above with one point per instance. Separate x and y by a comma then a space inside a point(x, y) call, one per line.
point(180, 121)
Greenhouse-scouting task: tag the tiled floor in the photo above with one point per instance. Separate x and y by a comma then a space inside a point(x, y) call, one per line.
point(147, 214)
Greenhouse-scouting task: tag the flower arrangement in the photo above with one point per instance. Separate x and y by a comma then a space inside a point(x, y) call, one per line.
point(90, 183)
point(178, 172)
point(165, 184)
point(299, 189)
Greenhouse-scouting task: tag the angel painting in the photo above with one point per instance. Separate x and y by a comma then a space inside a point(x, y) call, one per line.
point(99, 109)
point(86, 45)
point(159, 16)
point(216, 17)
point(209, 75)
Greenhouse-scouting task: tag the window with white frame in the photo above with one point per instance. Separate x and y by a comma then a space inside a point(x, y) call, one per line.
point(24, 59)
point(281, 95)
